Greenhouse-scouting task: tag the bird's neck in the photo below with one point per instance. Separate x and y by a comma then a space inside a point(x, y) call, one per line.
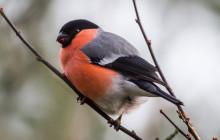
point(80, 40)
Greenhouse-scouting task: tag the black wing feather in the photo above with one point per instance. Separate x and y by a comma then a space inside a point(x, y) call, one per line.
point(136, 66)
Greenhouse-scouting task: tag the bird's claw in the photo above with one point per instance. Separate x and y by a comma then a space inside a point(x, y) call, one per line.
point(81, 100)
point(116, 123)
point(63, 74)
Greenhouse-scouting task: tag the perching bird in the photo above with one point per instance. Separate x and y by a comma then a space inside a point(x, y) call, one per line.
point(106, 68)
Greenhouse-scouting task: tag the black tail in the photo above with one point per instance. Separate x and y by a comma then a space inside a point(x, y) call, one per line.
point(168, 97)
point(154, 89)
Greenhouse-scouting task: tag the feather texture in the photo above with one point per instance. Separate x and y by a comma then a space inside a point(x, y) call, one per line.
point(112, 51)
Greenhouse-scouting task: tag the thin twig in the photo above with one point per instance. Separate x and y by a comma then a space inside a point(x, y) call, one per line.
point(185, 135)
point(170, 137)
point(138, 20)
point(183, 114)
point(81, 96)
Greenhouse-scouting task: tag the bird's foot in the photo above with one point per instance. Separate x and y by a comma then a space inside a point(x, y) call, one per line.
point(116, 123)
point(63, 74)
point(81, 100)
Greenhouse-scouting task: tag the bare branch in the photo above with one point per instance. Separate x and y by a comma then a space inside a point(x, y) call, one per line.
point(170, 137)
point(177, 128)
point(186, 120)
point(181, 111)
point(82, 98)
point(138, 20)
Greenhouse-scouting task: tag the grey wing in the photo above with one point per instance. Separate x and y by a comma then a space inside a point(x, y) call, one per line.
point(107, 47)
point(114, 52)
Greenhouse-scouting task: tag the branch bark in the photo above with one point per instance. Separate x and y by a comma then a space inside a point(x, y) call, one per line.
point(177, 128)
point(81, 97)
point(170, 137)
point(181, 112)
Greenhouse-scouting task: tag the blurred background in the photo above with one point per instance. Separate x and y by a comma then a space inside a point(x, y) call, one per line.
point(36, 105)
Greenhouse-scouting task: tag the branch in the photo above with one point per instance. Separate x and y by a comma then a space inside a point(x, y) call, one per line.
point(177, 128)
point(181, 111)
point(170, 137)
point(81, 97)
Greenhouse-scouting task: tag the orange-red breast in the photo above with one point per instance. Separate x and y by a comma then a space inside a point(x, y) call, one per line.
point(106, 68)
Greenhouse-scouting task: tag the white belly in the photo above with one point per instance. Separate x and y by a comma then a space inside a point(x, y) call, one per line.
point(122, 96)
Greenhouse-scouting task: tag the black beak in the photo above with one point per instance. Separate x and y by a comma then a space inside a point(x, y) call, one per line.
point(61, 38)
point(64, 39)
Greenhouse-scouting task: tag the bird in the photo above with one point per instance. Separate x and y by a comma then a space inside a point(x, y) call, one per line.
point(107, 69)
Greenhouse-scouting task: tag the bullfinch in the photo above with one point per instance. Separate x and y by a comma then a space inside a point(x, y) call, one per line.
point(106, 68)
